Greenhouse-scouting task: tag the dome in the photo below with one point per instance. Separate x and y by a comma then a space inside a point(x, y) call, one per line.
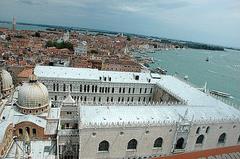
point(33, 97)
point(7, 82)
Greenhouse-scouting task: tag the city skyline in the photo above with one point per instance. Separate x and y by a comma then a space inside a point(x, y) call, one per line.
point(213, 22)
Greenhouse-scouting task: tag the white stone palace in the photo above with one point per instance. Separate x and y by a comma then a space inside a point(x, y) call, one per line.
point(68, 113)
point(135, 115)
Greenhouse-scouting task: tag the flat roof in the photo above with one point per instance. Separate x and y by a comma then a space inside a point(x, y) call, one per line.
point(90, 115)
point(187, 92)
point(71, 73)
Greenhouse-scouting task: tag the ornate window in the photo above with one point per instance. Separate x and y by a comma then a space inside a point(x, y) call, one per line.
point(151, 90)
point(180, 144)
point(198, 130)
point(88, 88)
point(132, 144)
point(103, 146)
point(207, 130)
point(80, 88)
point(200, 139)
point(34, 131)
point(96, 88)
point(20, 131)
point(64, 87)
point(158, 143)
point(222, 138)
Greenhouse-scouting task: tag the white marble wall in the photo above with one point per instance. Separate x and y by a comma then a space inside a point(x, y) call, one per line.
point(60, 94)
point(118, 143)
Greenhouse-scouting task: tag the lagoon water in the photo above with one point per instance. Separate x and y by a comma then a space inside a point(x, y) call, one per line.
point(23, 27)
point(221, 72)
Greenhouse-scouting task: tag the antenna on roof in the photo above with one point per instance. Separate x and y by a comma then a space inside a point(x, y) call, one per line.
point(185, 114)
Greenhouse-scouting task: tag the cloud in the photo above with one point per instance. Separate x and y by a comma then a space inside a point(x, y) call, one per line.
point(32, 2)
point(128, 8)
point(181, 19)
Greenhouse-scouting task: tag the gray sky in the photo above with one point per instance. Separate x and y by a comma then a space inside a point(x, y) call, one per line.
point(209, 21)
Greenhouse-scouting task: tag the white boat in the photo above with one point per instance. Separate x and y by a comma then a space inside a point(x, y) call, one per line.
point(221, 94)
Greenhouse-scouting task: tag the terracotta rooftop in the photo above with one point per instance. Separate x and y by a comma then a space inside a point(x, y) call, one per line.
point(25, 73)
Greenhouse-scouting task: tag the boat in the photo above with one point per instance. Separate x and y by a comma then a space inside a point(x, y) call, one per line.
point(221, 94)
point(146, 64)
point(161, 71)
point(207, 59)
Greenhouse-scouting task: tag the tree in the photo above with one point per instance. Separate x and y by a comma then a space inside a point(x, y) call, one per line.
point(128, 38)
point(8, 38)
point(37, 34)
point(59, 45)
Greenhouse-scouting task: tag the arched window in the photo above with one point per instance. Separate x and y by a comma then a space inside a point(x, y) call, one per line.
point(28, 130)
point(64, 87)
point(239, 139)
point(88, 88)
point(132, 144)
point(103, 146)
point(198, 130)
point(180, 144)
point(34, 132)
point(80, 88)
point(200, 139)
point(20, 131)
point(158, 142)
point(222, 138)
point(207, 130)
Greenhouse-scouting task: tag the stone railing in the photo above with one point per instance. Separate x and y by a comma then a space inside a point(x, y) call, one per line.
point(90, 103)
point(67, 132)
point(155, 123)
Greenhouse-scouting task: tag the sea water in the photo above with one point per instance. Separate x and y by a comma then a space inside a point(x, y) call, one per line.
point(221, 71)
